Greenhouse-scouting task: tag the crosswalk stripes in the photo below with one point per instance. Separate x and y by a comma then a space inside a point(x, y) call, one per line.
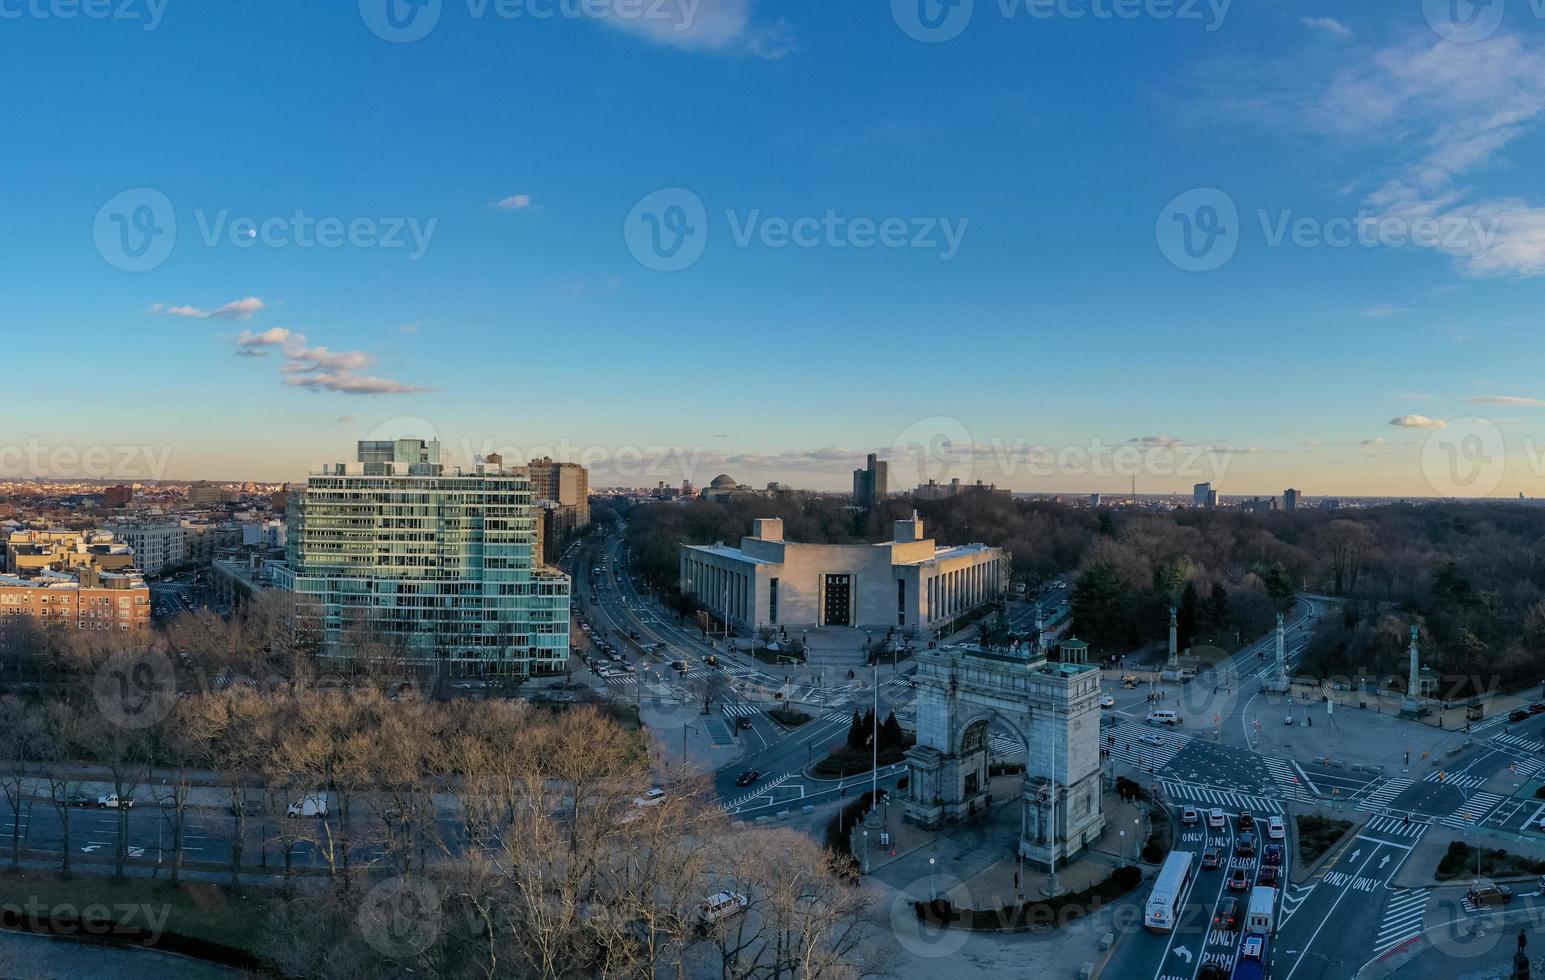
point(1380, 798)
point(1518, 741)
point(1525, 768)
point(1005, 745)
point(741, 710)
point(1280, 771)
point(1125, 740)
point(1461, 782)
point(760, 791)
point(1223, 799)
point(1402, 919)
point(1396, 827)
point(1473, 810)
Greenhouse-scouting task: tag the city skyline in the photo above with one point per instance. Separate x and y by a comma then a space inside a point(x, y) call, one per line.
point(300, 293)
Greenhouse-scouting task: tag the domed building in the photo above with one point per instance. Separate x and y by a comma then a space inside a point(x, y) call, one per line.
point(720, 488)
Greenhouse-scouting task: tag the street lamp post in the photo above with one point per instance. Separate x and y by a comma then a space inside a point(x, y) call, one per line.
point(933, 889)
point(866, 852)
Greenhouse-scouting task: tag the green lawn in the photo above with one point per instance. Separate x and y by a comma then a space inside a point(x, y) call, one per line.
point(1316, 835)
point(788, 717)
point(212, 913)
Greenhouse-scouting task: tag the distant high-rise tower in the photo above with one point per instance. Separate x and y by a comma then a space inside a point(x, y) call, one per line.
point(1201, 494)
point(871, 484)
point(1290, 499)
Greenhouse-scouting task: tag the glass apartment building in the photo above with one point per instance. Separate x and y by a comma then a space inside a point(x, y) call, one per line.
point(437, 564)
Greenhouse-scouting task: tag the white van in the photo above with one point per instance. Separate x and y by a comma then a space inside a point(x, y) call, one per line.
point(721, 906)
point(312, 805)
point(1163, 716)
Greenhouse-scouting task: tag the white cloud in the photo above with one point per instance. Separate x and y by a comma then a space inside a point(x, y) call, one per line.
point(1416, 422)
point(240, 309)
point(707, 25)
point(352, 384)
point(1510, 400)
point(319, 368)
point(1328, 25)
point(1439, 114)
point(515, 202)
point(1375, 441)
point(1166, 441)
point(408, 328)
point(1379, 311)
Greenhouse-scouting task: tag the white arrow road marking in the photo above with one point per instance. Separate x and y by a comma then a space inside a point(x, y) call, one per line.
point(1383, 862)
point(1183, 953)
point(135, 852)
point(1355, 854)
point(89, 848)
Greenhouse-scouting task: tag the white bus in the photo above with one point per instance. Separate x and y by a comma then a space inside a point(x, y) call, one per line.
point(1164, 902)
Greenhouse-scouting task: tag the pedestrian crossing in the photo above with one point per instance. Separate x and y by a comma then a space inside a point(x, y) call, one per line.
point(1518, 741)
point(1459, 782)
point(1280, 771)
point(1125, 741)
point(1007, 746)
point(762, 790)
point(1397, 827)
point(1381, 798)
point(1224, 799)
point(1474, 809)
point(1402, 919)
point(741, 710)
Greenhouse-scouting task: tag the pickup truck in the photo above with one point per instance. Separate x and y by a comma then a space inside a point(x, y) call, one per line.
point(111, 802)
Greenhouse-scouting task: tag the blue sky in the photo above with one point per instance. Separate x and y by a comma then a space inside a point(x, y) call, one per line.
point(501, 287)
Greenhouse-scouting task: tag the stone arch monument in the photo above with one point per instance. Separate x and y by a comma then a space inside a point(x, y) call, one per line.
point(1053, 707)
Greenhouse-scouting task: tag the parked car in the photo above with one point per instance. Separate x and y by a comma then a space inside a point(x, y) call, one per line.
point(112, 802)
point(1244, 845)
point(720, 906)
point(1275, 828)
point(1484, 893)
point(748, 777)
point(1536, 707)
point(1517, 714)
point(1190, 816)
point(1269, 877)
point(1238, 880)
point(1246, 821)
point(654, 797)
point(310, 806)
point(1211, 858)
point(1227, 916)
point(1216, 820)
point(250, 808)
point(1271, 855)
point(78, 799)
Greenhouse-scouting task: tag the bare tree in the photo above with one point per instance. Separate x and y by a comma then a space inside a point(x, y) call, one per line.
point(21, 746)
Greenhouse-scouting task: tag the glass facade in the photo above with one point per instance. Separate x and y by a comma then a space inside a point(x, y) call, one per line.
point(442, 566)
